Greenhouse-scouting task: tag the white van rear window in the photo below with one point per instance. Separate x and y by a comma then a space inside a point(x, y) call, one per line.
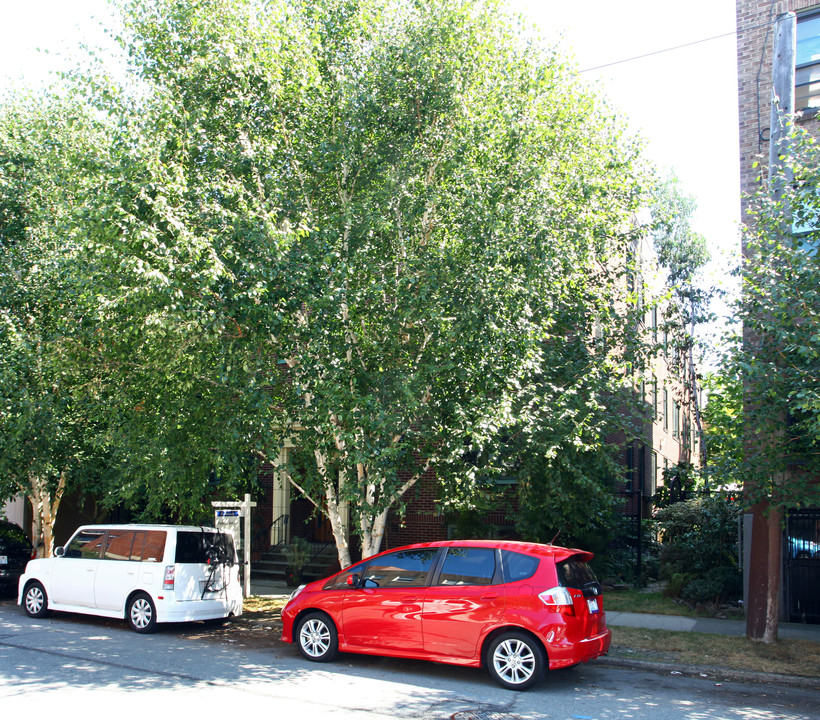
point(198, 546)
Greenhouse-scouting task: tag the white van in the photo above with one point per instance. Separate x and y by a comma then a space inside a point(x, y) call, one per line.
point(147, 574)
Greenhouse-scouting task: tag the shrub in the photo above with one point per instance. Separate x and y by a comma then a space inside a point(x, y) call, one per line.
point(616, 558)
point(714, 586)
point(699, 555)
point(297, 554)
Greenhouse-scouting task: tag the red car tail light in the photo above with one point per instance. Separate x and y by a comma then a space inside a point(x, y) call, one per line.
point(168, 580)
point(558, 599)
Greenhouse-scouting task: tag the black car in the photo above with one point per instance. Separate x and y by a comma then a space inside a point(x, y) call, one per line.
point(15, 552)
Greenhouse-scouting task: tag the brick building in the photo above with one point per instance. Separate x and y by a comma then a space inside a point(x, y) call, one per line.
point(755, 36)
point(670, 431)
point(756, 21)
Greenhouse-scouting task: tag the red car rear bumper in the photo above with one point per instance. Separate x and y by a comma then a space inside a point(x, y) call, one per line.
point(579, 652)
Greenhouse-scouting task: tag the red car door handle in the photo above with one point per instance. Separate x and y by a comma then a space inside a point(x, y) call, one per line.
point(409, 598)
point(489, 596)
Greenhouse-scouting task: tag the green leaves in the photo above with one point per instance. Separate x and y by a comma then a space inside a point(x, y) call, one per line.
point(381, 230)
point(779, 359)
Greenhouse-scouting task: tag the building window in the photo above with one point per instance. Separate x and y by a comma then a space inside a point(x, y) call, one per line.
point(675, 418)
point(655, 398)
point(805, 212)
point(666, 409)
point(807, 76)
point(655, 325)
point(629, 468)
point(654, 473)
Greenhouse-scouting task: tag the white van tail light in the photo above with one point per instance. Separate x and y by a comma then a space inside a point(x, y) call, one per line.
point(558, 600)
point(168, 580)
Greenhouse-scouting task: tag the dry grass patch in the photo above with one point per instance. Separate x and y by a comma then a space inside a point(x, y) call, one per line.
point(259, 626)
point(786, 657)
point(657, 603)
point(256, 605)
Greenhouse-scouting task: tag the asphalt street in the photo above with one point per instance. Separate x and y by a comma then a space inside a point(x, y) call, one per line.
point(77, 666)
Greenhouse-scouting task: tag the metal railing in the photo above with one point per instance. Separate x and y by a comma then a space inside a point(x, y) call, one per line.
point(271, 535)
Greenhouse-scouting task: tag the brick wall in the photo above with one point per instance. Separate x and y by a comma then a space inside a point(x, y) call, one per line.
point(755, 28)
point(420, 521)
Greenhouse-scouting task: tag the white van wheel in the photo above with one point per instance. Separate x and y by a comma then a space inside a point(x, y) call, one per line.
point(35, 601)
point(141, 614)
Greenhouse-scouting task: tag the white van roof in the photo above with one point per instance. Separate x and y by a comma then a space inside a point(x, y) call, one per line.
point(147, 526)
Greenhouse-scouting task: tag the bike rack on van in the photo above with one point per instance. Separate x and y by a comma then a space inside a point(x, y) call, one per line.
point(215, 556)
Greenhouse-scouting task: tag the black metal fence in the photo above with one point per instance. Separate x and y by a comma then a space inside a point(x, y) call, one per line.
point(802, 566)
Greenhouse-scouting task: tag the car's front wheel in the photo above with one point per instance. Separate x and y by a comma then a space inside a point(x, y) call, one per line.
point(317, 638)
point(35, 600)
point(141, 614)
point(516, 660)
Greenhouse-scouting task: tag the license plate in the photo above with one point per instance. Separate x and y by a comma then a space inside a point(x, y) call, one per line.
point(593, 604)
point(4, 559)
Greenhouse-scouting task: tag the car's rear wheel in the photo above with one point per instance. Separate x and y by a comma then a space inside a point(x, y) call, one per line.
point(317, 638)
point(516, 660)
point(35, 600)
point(141, 614)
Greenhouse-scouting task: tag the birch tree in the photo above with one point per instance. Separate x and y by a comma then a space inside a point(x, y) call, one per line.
point(46, 419)
point(362, 220)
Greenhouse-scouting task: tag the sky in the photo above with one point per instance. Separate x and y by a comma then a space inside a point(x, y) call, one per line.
point(682, 101)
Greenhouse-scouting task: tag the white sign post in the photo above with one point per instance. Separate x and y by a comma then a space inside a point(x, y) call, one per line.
point(227, 517)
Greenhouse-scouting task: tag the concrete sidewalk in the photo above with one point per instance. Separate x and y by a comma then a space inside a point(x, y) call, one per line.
point(269, 588)
point(711, 626)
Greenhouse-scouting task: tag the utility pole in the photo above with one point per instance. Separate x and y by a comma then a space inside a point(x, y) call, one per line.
point(765, 557)
point(782, 107)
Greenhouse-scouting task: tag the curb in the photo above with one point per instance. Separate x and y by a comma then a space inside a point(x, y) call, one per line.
point(710, 672)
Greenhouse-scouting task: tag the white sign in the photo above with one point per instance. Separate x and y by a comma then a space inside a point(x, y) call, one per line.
point(227, 516)
point(229, 521)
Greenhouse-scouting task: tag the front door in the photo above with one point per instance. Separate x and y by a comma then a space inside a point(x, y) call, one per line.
point(385, 614)
point(72, 582)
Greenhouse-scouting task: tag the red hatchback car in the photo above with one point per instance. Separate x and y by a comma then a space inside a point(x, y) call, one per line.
point(516, 608)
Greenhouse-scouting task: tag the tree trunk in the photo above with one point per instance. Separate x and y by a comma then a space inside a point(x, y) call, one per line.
point(45, 506)
point(774, 564)
point(373, 533)
point(763, 597)
point(333, 511)
point(338, 527)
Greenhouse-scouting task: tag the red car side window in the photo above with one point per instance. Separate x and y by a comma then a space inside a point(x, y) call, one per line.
point(406, 568)
point(468, 566)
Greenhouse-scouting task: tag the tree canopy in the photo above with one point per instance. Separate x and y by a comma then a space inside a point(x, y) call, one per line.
point(47, 423)
point(389, 232)
point(779, 360)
